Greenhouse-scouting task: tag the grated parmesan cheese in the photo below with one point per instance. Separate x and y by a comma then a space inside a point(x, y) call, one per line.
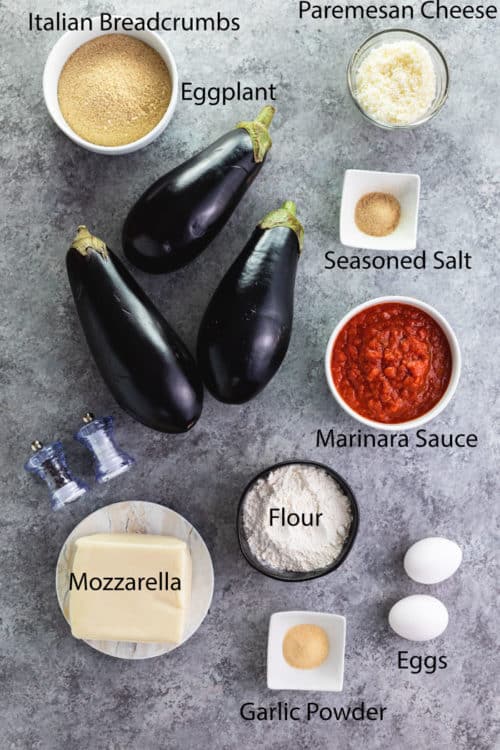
point(396, 83)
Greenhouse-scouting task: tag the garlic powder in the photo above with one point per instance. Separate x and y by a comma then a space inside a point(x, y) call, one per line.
point(396, 83)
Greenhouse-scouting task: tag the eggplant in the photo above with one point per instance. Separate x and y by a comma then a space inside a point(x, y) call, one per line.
point(144, 363)
point(246, 329)
point(183, 211)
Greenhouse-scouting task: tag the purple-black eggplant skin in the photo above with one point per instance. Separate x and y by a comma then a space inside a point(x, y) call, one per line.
point(245, 332)
point(182, 212)
point(144, 363)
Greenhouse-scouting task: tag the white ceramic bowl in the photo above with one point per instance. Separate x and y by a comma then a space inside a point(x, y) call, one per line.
point(404, 187)
point(329, 676)
point(456, 365)
point(61, 51)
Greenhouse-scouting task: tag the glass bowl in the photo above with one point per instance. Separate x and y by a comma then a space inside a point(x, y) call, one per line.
point(398, 35)
point(287, 575)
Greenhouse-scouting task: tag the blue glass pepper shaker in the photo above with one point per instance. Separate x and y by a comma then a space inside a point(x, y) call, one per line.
point(49, 463)
point(97, 435)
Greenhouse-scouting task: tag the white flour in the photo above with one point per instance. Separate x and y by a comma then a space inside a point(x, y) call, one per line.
point(299, 489)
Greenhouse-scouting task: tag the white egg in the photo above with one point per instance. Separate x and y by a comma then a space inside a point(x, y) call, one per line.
point(432, 560)
point(419, 617)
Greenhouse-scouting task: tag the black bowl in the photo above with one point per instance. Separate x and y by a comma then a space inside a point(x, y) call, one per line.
point(284, 575)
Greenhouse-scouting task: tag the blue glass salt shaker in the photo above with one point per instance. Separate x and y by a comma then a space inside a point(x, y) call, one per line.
point(97, 435)
point(49, 463)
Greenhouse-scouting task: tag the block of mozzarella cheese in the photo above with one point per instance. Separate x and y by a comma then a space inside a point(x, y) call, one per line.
point(130, 587)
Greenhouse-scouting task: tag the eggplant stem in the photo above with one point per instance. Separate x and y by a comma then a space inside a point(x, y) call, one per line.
point(291, 207)
point(265, 116)
point(258, 131)
point(85, 241)
point(286, 216)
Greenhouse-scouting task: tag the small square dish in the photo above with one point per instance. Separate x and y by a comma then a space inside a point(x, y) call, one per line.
point(404, 187)
point(328, 676)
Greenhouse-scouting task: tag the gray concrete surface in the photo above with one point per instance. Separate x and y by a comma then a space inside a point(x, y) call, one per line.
point(58, 693)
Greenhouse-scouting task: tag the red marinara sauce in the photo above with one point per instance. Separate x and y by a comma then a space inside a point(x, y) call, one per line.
point(391, 363)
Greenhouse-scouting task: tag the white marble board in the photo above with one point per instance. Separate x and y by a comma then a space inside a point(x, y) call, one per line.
point(137, 517)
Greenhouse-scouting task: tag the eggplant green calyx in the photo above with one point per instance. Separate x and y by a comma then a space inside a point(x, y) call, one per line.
point(84, 242)
point(286, 216)
point(258, 131)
